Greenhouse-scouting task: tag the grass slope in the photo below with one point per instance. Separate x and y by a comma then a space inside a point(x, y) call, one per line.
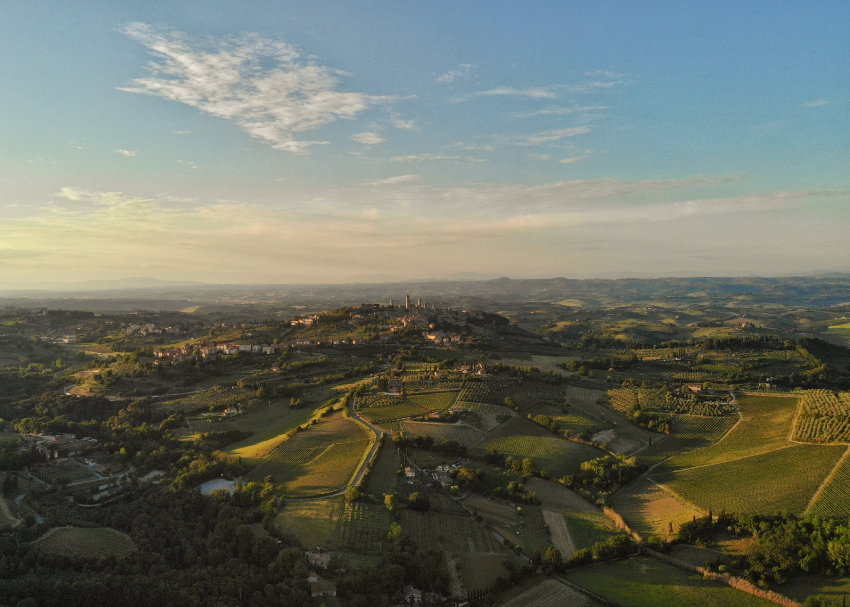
point(522, 438)
point(764, 427)
point(777, 480)
point(645, 582)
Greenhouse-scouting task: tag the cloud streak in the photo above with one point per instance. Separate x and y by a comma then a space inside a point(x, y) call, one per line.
point(262, 85)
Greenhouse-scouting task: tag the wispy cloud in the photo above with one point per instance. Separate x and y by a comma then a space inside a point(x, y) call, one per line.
point(394, 180)
point(561, 111)
point(263, 85)
point(182, 132)
point(534, 93)
point(481, 147)
point(546, 136)
point(407, 125)
point(572, 160)
point(368, 138)
point(817, 103)
point(107, 232)
point(460, 73)
point(125, 152)
point(414, 157)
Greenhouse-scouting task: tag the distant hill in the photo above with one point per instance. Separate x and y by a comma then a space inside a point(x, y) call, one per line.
point(806, 291)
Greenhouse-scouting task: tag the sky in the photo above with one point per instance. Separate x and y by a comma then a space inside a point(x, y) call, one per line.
point(352, 141)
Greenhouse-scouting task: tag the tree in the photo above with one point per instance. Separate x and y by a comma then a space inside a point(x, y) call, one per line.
point(528, 467)
point(552, 559)
point(418, 502)
point(352, 494)
point(395, 531)
point(390, 501)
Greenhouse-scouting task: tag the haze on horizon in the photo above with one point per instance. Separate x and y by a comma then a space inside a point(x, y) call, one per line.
point(329, 142)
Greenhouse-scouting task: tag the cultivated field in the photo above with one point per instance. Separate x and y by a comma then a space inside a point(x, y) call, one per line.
point(649, 509)
point(312, 523)
point(384, 475)
point(85, 542)
point(382, 408)
point(363, 528)
point(501, 513)
point(550, 594)
point(561, 538)
point(689, 432)
point(780, 479)
point(586, 523)
point(447, 527)
point(317, 460)
point(764, 427)
point(834, 499)
point(480, 571)
point(646, 582)
point(824, 417)
point(522, 438)
point(483, 417)
point(461, 433)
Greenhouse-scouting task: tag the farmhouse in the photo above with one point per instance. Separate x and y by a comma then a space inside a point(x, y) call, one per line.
point(65, 445)
point(409, 472)
point(319, 559)
point(320, 587)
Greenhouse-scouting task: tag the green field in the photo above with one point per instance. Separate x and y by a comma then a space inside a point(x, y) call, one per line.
point(833, 500)
point(461, 433)
point(522, 438)
point(320, 459)
point(362, 527)
point(85, 542)
point(384, 475)
point(645, 582)
point(381, 408)
point(312, 523)
point(764, 427)
point(761, 484)
point(689, 432)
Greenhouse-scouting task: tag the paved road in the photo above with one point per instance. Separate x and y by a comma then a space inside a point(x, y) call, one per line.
point(359, 476)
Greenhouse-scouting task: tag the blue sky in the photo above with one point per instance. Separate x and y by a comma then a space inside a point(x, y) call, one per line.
point(339, 141)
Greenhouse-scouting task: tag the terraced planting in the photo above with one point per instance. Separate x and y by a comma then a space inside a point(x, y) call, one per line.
point(761, 484)
point(834, 498)
point(521, 438)
point(824, 417)
point(85, 542)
